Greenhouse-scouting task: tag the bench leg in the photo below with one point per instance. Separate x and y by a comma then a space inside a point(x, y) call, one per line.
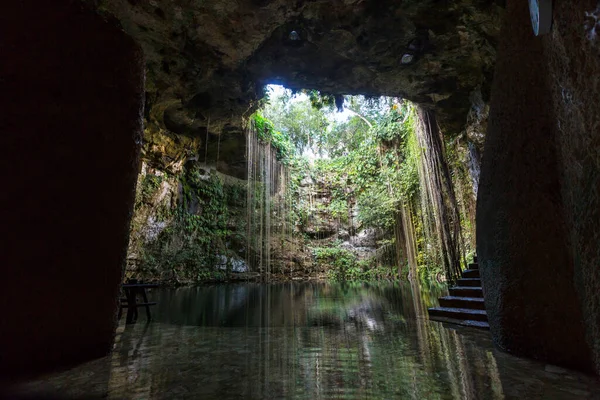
point(148, 315)
point(131, 306)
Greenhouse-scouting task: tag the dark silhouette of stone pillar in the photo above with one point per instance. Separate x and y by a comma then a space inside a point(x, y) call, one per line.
point(71, 105)
point(523, 241)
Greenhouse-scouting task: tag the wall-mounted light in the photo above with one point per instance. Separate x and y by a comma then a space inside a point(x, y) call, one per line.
point(407, 58)
point(541, 16)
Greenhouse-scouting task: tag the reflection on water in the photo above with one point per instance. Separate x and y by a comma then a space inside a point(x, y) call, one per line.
point(308, 341)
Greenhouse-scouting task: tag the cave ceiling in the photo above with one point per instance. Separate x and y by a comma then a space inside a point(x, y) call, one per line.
point(208, 60)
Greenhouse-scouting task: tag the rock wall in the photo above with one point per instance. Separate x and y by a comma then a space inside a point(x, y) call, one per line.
point(334, 242)
point(188, 226)
point(207, 61)
point(72, 101)
point(572, 52)
point(537, 213)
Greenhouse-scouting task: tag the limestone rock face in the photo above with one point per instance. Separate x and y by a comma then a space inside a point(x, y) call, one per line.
point(207, 61)
point(185, 223)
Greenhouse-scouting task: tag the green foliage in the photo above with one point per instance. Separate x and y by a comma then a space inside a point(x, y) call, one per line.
point(342, 263)
point(150, 183)
point(377, 208)
point(235, 194)
point(267, 134)
point(208, 224)
point(393, 125)
point(408, 175)
point(344, 266)
point(338, 208)
point(320, 100)
point(298, 120)
point(341, 258)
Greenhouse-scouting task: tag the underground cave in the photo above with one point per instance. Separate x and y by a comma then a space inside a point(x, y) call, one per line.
point(302, 180)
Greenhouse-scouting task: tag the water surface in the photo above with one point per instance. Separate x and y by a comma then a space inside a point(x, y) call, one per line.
point(308, 341)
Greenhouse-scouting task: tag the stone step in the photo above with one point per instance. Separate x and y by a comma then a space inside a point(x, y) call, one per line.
point(469, 282)
point(466, 291)
point(470, 273)
point(473, 266)
point(473, 324)
point(459, 313)
point(473, 303)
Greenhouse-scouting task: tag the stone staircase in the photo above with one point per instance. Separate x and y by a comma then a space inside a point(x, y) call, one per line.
point(464, 305)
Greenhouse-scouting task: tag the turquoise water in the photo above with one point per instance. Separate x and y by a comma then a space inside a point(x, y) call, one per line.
point(307, 341)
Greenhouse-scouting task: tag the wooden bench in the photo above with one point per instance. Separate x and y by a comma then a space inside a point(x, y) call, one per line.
point(131, 290)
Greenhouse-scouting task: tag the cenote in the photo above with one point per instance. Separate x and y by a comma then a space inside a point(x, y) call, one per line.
point(308, 341)
point(361, 199)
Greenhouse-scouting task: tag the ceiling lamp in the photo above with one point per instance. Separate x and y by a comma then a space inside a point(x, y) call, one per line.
point(541, 16)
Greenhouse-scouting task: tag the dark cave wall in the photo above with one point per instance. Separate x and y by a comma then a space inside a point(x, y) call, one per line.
point(72, 101)
point(538, 222)
point(573, 56)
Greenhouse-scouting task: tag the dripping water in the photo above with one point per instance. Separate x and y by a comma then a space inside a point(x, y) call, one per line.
point(266, 206)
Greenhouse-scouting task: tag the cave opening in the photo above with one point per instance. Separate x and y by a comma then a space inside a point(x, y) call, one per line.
point(349, 181)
